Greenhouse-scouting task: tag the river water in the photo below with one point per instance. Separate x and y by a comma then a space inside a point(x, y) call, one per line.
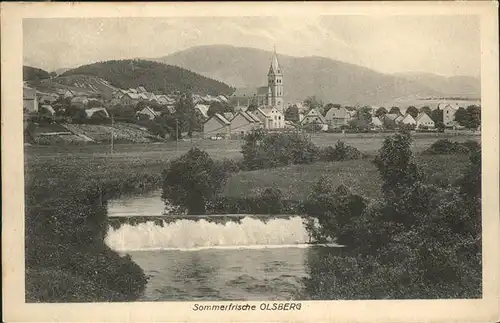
point(249, 259)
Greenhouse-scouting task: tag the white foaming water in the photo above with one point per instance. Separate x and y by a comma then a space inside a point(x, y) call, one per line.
point(196, 235)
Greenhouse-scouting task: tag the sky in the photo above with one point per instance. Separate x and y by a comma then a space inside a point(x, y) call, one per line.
point(445, 45)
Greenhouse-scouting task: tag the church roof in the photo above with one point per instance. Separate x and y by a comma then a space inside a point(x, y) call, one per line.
point(275, 65)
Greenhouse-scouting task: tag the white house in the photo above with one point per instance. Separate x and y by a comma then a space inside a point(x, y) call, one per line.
point(376, 122)
point(148, 113)
point(271, 117)
point(337, 116)
point(408, 120)
point(423, 120)
point(30, 102)
point(449, 114)
point(202, 109)
point(315, 117)
point(217, 125)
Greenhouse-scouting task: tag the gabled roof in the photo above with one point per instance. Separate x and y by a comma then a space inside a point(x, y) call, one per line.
point(221, 119)
point(399, 118)
point(408, 117)
point(49, 108)
point(203, 108)
point(245, 92)
point(148, 110)
point(141, 89)
point(253, 116)
point(245, 115)
point(422, 115)
point(337, 113)
point(90, 112)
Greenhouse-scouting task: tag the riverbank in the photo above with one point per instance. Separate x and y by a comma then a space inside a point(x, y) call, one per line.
point(66, 216)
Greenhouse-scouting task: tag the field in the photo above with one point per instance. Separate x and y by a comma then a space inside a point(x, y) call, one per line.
point(360, 176)
point(95, 164)
point(369, 143)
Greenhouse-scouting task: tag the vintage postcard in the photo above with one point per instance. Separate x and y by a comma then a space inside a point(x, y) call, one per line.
point(250, 162)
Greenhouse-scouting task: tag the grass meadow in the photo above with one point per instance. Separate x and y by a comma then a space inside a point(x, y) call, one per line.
point(65, 217)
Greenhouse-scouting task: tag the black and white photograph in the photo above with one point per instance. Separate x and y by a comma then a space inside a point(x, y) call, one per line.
point(272, 159)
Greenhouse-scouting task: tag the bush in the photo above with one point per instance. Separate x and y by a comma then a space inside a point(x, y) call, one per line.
point(267, 150)
point(446, 146)
point(420, 241)
point(340, 152)
point(192, 180)
point(230, 165)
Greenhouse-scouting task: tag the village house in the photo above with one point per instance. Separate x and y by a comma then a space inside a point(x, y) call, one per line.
point(148, 113)
point(376, 123)
point(424, 121)
point(90, 112)
point(130, 98)
point(243, 123)
point(315, 117)
point(217, 125)
point(271, 117)
point(202, 110)
point(448, 114)
point(30, 102)
point(408, 120)
point(336, 117)
point(389, 120)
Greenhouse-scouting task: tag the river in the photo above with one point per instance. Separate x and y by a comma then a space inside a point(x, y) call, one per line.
point(247, 259)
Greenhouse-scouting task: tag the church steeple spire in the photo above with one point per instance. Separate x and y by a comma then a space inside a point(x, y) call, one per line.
point(274, 69)
point(275, 83)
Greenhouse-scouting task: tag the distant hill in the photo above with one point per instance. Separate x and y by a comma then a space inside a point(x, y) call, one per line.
point(33, 73)
point(330, 80)
point(154, 76)
point(455, 86)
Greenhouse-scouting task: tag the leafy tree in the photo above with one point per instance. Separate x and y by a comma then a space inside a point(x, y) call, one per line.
point(219, 107)
point(396, 166)
point(426, 109)
point(292, 113)
point(193, 180)
point(266, 150)
point(312, 102)
point(381, 112)
point(395, 110)
point(437, 115)
point(330, 106)
point(412, 111)
point(34, 74)
point(474, 116)
point(364, 114)
point(462, 117)
point(252, 107)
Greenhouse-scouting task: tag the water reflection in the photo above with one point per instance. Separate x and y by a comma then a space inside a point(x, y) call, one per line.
point(244, 274)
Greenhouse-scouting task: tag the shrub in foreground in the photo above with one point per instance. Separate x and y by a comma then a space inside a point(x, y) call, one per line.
point(340, 152)
point(446, 146)
point(420, 241)
point(193, 180)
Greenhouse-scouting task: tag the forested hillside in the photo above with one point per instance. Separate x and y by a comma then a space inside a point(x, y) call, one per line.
point(33, 74)
point(155, 77)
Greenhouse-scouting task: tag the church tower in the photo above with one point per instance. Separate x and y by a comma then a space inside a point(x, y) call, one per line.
point(275, 84)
